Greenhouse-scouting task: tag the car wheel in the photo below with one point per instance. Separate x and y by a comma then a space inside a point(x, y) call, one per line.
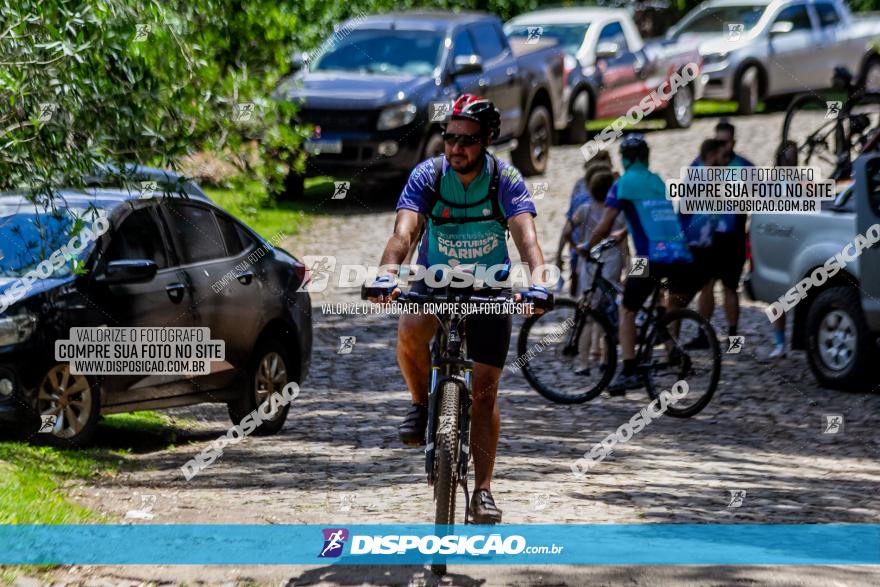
point(533, 150)
point(267, 373)
point(839, 346)
point(74, 401)
point(748, 91)
point(576, 134)
point(434, 147)
point(680, 111)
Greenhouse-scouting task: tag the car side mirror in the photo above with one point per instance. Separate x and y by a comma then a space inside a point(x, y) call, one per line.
point(128, 271)
point(607, 50)
point(299, 61)
point(465, 64)
point(781, 27)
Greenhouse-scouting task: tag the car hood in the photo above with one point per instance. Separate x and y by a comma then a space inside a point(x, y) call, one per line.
point(37, 287)
point(346, 90)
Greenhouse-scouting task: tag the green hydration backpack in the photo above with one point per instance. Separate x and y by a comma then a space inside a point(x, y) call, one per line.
point(466, 232)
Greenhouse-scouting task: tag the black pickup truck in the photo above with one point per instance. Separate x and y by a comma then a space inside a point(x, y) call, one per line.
point(376, 92)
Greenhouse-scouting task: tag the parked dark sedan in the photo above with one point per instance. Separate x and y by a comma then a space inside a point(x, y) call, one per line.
point(161, 260)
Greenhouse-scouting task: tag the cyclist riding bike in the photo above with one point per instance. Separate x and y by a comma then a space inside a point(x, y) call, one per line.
point(657, 235)
point(461, 204)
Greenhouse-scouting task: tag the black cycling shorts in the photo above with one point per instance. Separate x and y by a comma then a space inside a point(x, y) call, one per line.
point(684, 280)
point(729, 257)
point(487, 336)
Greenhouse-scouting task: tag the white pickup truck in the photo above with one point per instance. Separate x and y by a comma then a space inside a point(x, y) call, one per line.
point(838, 322)
point(757, 49)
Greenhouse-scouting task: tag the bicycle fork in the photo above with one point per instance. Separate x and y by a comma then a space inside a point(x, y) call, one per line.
point(434, 392)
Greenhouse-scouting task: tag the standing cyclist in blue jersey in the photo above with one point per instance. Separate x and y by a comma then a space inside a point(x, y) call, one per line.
point(728, 251)
point(466, 200)
point(641, 195)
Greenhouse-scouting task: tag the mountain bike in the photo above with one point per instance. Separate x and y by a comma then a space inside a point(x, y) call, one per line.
point(447, 449)
point(571, 351)
point(830, 133)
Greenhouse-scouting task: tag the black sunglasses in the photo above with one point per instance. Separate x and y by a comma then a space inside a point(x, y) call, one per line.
point(452, 139)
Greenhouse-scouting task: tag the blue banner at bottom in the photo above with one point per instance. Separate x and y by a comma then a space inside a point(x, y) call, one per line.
point(605, 544)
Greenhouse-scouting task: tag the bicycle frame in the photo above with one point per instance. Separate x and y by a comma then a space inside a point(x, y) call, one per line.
point(599, 283)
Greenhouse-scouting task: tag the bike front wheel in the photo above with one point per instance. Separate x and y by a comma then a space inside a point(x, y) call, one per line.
point(446, 462)
point(568, 354)
point(682, 346)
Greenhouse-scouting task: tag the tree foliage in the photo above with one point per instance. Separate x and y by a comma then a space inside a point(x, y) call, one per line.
point(91, 82)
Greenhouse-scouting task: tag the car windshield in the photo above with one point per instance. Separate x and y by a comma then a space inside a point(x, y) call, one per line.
point(720, 19)
point(30, 233)
point(569, 36)
point(382, 52)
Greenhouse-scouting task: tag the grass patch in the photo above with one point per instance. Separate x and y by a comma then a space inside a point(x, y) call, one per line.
point(32, 477)
point(249, 203)
point(715, 107)
point(31, 480)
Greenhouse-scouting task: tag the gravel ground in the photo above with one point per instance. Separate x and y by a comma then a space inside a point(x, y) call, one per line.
point(338, 460)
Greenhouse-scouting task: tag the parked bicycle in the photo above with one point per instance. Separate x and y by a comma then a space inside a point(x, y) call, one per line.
point(831, 133)
point(447, 451)
point(572, 350)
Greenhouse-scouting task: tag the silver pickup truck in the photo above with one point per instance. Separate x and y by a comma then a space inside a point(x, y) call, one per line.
point(757, 49)
point(838, 322)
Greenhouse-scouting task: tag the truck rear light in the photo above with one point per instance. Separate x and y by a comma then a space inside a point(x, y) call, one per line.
point(568, 65)
point(303, 274)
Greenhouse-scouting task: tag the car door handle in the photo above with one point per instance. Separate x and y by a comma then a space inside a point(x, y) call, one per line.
point(175, 292)
point(512, 70)
point(246, 278)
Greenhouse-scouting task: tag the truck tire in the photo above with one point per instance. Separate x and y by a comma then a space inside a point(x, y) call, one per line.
point(680, 111)
point(869, 77)
point(576, 133)
point(748, 91)
point(840, 348)
point(294, 187)
point(533, 150)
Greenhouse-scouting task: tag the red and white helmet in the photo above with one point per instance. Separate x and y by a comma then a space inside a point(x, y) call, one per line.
point(480, 110)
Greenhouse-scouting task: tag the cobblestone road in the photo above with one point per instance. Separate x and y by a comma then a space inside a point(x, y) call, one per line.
point(338, 460)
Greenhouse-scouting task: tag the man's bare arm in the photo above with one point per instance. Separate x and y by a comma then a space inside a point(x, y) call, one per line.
point(604, 227)
point(564, 239)
point(407, 227)
point(522, 228)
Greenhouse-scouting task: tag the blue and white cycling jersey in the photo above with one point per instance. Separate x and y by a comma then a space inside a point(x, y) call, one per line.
point(653, 224)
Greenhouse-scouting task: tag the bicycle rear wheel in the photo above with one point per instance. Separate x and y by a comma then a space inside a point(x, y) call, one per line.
point(666, 361)
point(817, 137)
point(446, 462)
point(860, 122)
point(568, 354)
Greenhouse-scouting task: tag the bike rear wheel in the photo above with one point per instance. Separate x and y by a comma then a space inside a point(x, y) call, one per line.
point(568, 354)
point(446, 461)
point(666, 361)
point(817, 138)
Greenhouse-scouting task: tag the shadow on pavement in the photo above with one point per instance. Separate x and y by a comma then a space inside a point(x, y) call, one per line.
point(379, 575)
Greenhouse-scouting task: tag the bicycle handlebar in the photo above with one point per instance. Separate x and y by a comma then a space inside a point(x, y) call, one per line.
point(448, 296)
point(604, 245)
